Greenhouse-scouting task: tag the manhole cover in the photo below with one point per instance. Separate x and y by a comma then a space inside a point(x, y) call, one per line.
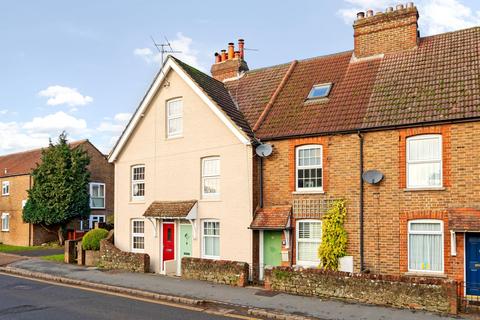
point(265, 293)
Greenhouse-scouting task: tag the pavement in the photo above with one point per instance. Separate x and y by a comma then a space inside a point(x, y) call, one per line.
point(249, 297)
point(25, 299)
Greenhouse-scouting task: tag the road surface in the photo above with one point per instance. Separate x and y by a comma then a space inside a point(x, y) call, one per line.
point(27, 299)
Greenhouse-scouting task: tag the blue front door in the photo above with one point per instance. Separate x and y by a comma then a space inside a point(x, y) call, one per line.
point(473, 263)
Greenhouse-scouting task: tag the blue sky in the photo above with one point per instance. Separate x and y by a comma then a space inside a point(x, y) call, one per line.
point(83, 66)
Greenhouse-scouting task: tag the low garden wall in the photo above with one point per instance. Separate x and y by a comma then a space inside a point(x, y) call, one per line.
point(233, 273)
point(113, 258)
point(430, 294)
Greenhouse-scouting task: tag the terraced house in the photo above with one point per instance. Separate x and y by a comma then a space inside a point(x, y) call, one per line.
point(402, 107)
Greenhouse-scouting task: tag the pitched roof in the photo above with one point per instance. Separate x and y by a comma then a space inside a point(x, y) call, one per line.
point(217, 91)
point(438, 81)
point(170, 209)
point(22, 163)
point(273, 217)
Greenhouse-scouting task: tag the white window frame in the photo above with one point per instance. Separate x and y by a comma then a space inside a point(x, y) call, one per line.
point(205, 256)
point(321, 85)
point(5, 216)
point(408, 161)
point(204, 176)
point(5, 186)
point(138, 235)
point(297, 240)
point(134, 182)
point(441, 232)
point(297, 167)
point(92, 184)
point(92, 216)
point(174, 117)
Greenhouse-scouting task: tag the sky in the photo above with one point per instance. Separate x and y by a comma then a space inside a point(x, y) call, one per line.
point(83, 66)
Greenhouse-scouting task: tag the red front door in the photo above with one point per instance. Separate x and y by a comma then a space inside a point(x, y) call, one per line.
point(168, 241)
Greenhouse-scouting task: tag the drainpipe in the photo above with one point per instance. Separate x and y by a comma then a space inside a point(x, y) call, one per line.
point(260, 177)
point(30, 226)
point(362, 264)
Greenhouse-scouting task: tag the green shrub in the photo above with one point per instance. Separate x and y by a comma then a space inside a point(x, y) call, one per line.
point(334, 236)
point(91, 240)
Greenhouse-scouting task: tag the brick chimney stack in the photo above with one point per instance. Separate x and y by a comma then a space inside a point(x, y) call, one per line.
point(392, 31)
point(229, 64)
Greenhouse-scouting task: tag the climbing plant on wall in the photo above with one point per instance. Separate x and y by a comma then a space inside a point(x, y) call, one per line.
point(334, 236)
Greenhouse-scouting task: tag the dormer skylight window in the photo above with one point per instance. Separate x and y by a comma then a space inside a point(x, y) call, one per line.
point(319, 91)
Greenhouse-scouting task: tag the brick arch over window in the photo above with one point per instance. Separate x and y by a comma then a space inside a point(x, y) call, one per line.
point(404, 134)
point(294, 143)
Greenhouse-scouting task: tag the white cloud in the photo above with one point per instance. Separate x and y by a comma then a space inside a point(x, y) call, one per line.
point(122, 117)
point(181, 43)
point(55, 123)
point(58, 95)
point(115, 126)
point(3, 111)
point(436, 16)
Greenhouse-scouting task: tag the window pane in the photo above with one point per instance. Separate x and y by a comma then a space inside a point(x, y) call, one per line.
point(308, 251)
point(138, 227)
point(138, 242)
point(424, 149)
point(211, 185)
point(211, 167)
point(425, 252)
point(310, 230)
point(138, 173)
point(419, 226)
point(139, 189)
point(97, 202)
point(174, 125)
point(175, 108)
point(424, 174)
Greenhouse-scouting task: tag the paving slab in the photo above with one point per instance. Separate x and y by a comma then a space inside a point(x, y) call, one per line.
point(6, 258)
point(248, 297)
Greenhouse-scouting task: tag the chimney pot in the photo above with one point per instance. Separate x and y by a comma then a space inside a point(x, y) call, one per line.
point(241, 48)
point(224, 55)
point(389, 9)
point(399, 6)
point(218, 58)
point(231, 50)
point(237, 54)
point(360, 15)
point(410, 5)
point(369, 13)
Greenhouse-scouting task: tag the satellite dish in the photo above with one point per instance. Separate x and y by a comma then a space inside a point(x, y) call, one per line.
point(264, 150)
point(372, 176)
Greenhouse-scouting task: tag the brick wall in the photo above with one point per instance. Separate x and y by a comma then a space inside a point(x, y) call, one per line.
point(389, 205)
point(220, 271)
point(386, 32)
point(437, 295)
point(19, 233)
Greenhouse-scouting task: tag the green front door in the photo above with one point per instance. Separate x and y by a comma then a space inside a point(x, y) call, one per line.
point(185, 240)
point(272, 248)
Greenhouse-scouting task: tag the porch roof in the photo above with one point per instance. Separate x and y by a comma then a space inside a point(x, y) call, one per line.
point(273, 217)
point(172, 209)
point(464, 219)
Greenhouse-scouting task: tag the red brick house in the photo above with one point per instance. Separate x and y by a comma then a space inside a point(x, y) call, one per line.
point(403, 105)
point(16, 180)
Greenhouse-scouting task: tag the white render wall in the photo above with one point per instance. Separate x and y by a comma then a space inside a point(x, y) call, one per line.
point(173, 172)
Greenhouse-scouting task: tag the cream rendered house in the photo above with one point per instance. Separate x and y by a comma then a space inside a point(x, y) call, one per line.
point(183, 173)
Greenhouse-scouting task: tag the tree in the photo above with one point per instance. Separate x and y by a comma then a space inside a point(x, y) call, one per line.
point(60, 188)
point(334, 236)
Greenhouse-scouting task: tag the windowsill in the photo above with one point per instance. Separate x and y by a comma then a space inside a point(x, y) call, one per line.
point(210, 200)
point(5, 195)
point(5, 230)
point(425, 189)
point(425, 274)
point(210, 258)
point(174, 137)
point(137, 202)
point(308, 192)
point(97, 208)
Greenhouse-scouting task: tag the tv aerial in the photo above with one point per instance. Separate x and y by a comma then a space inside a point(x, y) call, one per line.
point(164, 48)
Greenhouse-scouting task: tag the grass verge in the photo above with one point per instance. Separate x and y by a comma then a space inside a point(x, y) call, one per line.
point(54, 258)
